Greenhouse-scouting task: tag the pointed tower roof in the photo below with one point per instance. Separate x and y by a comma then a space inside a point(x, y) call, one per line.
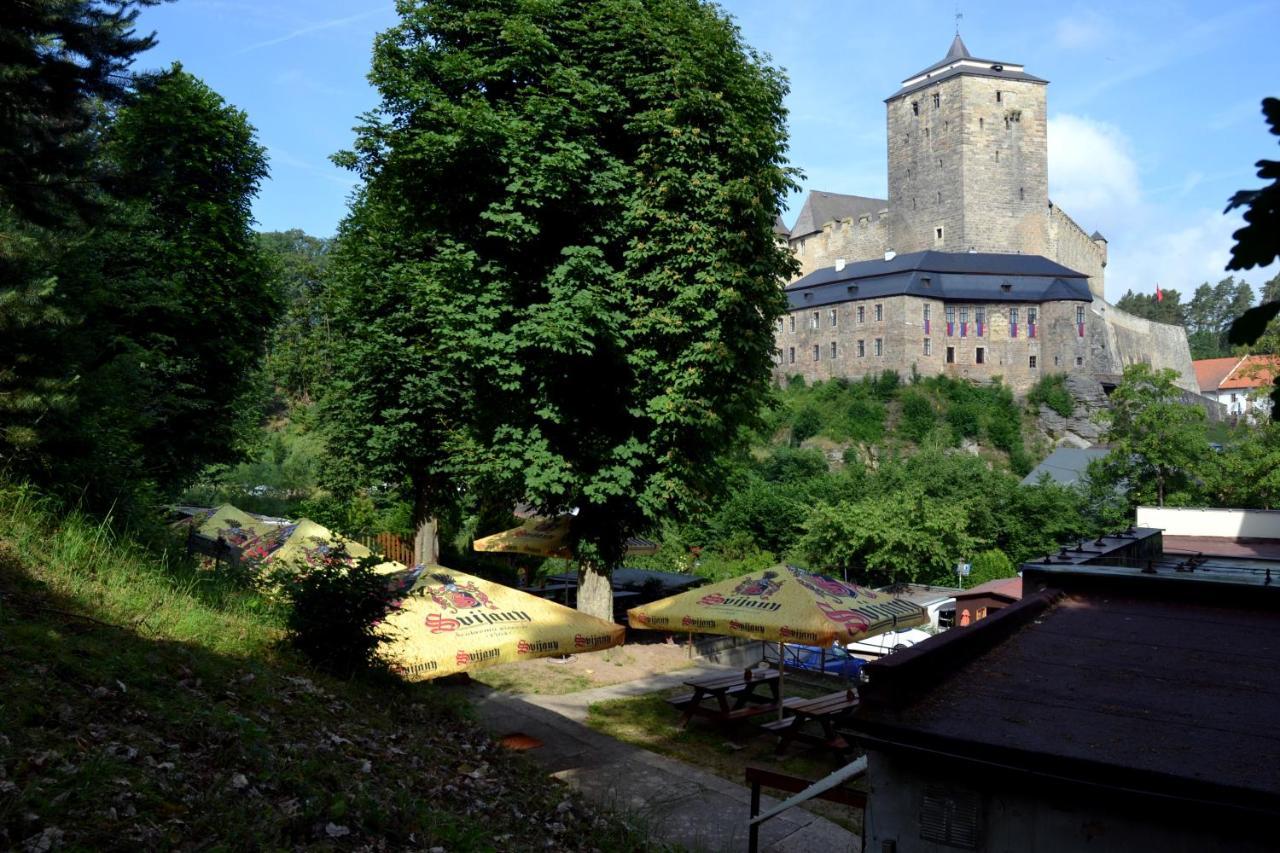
point(958, 50)
point(960, 61)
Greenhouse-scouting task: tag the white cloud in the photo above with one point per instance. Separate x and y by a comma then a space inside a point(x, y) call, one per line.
point(1092, 172)
point(1094, 178)
point(1081, 30)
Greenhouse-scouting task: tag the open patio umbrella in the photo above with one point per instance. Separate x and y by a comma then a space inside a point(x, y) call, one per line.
point(232, 525)
point(449, 622)
point(784, 604)
point(547, 537)
point(304, 543)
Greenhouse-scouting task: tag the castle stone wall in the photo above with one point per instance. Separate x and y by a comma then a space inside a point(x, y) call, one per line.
point(862, 240)
point(1071, 247)
point(1122, 339)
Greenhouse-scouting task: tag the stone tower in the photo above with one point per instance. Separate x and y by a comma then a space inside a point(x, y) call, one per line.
point(968, 162)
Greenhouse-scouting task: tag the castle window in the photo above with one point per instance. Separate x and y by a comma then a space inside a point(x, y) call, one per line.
point(913, 204)
point(980, 355)
point(1022, 193)
point(1006, 123)
point(833, 349)
point(937, 100)
point(997, 155)
point(946, 125)
point(926, 133)
point(908, 138)
point(1080, 320)
point(862, 314)
point(1013, 322)
point(964, 322)
point(915, 108)
point(951, 355)
point(951, 319)
point(980, 318)
point(979, 124)
point(928, 346)
point(1031, 361)
point(817, 352)
point(1079, 361)
point(999, 96)
point(862, 349)
point(813, 321)
point(879, 346)
point(793, 325)
point(879, 313)
point(939, 197)
point(779, 325)
point(937, 233)
point(1055, 361)
point(939, 162)
point(831, 315)
point(793, 355)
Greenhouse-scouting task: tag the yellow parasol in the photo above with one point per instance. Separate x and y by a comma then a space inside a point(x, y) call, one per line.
point(785, 604)
point(450, 622)
point(547, 537)
point(232, 525)
point(304, 543)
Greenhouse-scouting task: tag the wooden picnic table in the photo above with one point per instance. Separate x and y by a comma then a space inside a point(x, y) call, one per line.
point(736, 696)
point(826, 711)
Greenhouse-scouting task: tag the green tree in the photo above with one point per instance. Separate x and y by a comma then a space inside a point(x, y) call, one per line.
point(896, 538)
point(1158, 443)
point(1165, 308)
point(558, 282)
point(1258, 244)
point(1246, 473)
point(62, 63)
point(176, 295)
point(297, 359)
point(992, 564)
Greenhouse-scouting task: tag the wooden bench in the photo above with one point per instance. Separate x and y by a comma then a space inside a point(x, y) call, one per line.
point(744, 690)
point(826, 711)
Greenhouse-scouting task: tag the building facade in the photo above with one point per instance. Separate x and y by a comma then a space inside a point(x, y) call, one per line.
point(969, 208)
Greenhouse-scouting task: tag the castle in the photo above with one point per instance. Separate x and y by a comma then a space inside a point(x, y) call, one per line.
point(967, 269)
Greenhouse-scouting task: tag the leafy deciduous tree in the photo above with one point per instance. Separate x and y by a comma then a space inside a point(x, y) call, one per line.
point(559, 280)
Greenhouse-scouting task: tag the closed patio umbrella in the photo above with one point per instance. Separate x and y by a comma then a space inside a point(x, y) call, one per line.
point(547, 537)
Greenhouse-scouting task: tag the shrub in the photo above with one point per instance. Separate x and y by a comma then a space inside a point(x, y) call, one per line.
point(965, 418)
point(807, 423)
point(990, 565)
point(864, 419)
point(918, 416)
point(886, 384)
point(1052, 391)
point(335, 611)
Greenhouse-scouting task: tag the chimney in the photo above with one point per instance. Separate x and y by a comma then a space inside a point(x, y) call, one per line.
point(839, 264)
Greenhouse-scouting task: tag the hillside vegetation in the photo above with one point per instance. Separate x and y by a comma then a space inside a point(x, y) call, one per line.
point(148, 705)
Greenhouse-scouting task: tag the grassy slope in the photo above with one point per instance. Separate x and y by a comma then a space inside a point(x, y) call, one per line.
point(143, 706)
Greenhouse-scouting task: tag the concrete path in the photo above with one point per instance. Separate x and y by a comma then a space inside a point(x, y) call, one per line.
point(677, 802)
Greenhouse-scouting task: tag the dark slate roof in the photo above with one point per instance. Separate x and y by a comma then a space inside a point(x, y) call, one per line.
point(780, 227)
point(1097, 235)
point(822, 207)
point(1066, 465)
point(940, 71)
point(968, 276)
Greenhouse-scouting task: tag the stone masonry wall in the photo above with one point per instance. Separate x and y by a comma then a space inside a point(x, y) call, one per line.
point(1071, 247)
point(925, 169)
point(863, 240)
point(1006, 167)
point(1057, 347)
point(1122, 339)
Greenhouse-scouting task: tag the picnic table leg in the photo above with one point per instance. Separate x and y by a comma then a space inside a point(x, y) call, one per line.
point(692, 707)
point(753, 834)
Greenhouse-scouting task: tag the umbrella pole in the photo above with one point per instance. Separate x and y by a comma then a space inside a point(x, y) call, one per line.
point(782, 671)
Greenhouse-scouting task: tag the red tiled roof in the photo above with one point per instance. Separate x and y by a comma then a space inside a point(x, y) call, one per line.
point(1253, 371)
point(1010, 588)
point(1211, 371)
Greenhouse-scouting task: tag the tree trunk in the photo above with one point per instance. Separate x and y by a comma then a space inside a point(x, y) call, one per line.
point(426, 534)
point(595, 592)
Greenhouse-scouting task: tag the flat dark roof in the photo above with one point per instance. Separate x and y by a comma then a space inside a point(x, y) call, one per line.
point(1116, 686)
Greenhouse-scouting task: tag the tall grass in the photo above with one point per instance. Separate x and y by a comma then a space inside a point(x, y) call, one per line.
point(156, 589)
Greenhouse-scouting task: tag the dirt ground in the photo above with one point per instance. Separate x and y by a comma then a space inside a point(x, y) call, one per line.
point(554, 676)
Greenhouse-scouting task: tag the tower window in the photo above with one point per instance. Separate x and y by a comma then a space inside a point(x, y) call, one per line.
point(817, 352)
point(1006, 122)
point(999, 96)
point(913, 204)
point(937, 100)
point(979, 124)
point(997, 155)
point(926, 133)
point(1079, 361)
point(939, 162)
point(908, 138)
point(915, 108)
point(946, 125)
point(939, 197)
point(938, 232)
point(1022, 193)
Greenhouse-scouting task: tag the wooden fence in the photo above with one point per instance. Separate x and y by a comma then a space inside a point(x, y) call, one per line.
point(390, 546)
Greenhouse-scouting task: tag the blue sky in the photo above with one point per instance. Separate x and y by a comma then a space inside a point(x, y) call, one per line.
point(1153, 106)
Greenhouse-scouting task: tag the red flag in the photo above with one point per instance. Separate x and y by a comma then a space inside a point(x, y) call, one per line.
point(1159, 294)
